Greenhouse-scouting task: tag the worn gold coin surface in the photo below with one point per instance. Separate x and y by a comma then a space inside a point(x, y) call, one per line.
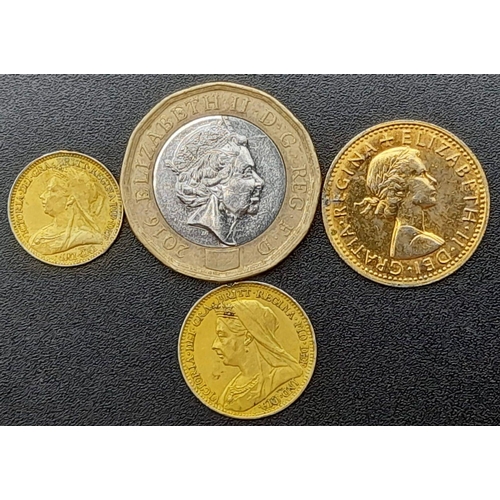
point(220, 181)
point(405, 203)
point(65, 208)
point(247, 350)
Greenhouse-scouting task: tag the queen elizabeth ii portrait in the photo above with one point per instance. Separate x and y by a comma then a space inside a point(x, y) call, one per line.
point(401, 188)
point(246, 338)
point(73, 200)
point(216, 178)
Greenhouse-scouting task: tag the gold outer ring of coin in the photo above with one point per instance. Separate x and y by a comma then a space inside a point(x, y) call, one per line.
point(86, 203)
point(303, 182)
point(272, 326)
point(413, 256)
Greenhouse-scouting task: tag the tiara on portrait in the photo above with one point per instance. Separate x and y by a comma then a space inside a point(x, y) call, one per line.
point(199, 143)
point(224, 310)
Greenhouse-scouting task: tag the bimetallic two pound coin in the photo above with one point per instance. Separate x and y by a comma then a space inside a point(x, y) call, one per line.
point(65, 208)
point(247, 350)
point(220, 182)
point(405, 203)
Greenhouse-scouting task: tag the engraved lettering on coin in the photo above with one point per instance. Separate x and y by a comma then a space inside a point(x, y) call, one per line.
point(74, 200)
point(220, 181)
point(247, 350)
point(246, 338)
point(228, 178)
point(402, 188)
point(65, 208)
point(405, 203)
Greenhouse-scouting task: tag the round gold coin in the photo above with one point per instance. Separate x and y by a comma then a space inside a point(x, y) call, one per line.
point(405, 203)
point(220, 182)
point(247, 350)
point(65, 208)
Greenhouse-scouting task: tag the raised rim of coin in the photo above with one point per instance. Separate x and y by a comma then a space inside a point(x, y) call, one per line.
point(54, 155)
point(326, 212)
point(311, 368)
point(277, 241)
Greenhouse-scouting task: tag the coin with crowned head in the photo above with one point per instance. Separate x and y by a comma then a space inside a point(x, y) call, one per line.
point(247, 350)
point(220, 181)
point(65, 208)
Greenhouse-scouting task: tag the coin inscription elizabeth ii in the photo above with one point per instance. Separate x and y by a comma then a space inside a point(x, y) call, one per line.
point(220, 181)
point(65, 208)
point(405, 203)
point(247, 350)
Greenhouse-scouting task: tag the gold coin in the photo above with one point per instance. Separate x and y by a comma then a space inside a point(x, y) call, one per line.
point(405, 203)
point(220, 182)
point(247, 350)
point(65, 208)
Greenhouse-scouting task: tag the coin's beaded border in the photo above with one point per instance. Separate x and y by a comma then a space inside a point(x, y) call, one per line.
point(306, 376)
point(474, 240)
point(53, 156)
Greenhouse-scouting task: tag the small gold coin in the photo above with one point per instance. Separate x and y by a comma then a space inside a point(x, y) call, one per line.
point(65, 208)
point(220, 182)
point(405, 203)
point(247, 350)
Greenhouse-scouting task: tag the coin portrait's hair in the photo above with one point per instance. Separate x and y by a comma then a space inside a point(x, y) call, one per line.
point(387, 181)
point(225, 311)
point(204, 160)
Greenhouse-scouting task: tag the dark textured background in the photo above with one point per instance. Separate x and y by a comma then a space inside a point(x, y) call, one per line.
point(97, 344)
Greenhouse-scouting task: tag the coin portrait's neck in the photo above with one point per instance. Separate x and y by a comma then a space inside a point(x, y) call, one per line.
point(230, 234)
point(410, 214)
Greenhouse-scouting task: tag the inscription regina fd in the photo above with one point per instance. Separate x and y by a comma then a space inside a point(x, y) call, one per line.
point(220, 181)
point(247, 350)
point(65, 208)
point(405, 203)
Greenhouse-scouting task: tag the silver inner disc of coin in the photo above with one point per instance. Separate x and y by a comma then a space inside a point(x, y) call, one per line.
point(219, 181)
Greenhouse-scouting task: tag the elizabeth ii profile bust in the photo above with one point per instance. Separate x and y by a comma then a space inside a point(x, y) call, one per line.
point(402, 189)
point(216, 178)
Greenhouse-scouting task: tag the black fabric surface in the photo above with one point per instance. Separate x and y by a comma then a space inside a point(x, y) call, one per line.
point(97, 344)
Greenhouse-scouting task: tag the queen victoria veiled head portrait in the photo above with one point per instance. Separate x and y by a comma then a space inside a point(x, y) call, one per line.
point(220, 169)
point(246, 338)
point(401, 188)
point(73, 200)
point(247, 350)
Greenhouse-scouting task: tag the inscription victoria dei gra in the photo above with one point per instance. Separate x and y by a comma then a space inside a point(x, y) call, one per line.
point(220, 181)
point(65, 208)
point(247, 350)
